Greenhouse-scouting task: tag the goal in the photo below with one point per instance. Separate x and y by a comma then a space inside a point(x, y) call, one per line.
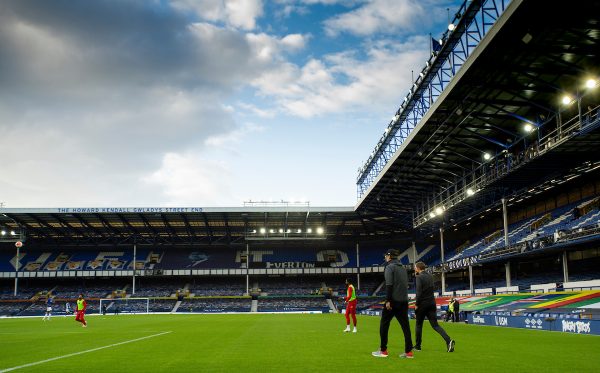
point(124, 305)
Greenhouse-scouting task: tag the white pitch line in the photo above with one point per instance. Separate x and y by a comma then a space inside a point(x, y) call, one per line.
point(81, 352)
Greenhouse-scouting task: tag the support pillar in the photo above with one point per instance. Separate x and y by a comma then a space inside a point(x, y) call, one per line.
point(471, 278)
point(505, 219)
point(357, 266)
point(247, 268)
point(134, 268)
point(443, 259)
point(565, 265)
point(17, 265)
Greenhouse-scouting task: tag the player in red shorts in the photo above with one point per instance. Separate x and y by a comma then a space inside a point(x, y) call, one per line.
point(80, 311)
point(350, 300)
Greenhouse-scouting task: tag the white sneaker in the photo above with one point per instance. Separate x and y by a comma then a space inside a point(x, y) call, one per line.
point(379, 353)
point(347, 329)
point(354, 331)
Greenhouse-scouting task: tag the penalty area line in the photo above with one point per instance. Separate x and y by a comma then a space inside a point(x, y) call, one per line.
point(82, 352)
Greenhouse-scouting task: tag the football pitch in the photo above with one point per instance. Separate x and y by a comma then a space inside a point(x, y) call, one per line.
point(276, 343)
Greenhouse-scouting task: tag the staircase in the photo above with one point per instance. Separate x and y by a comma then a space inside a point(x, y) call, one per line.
point(331, 306)
point(378, 288)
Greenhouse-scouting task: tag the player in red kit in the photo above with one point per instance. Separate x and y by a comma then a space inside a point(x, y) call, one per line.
point(80, 311)
point(350, 300)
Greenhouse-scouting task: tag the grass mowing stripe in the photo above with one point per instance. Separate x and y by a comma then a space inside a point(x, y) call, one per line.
point(81, 352)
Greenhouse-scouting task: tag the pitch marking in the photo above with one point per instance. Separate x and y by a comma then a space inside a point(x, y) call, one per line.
point(81, 352)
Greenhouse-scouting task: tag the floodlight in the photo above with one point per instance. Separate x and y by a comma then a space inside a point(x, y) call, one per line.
point(12, 233)
point(280, 230)
point(263, 230)
point(3, 232)
point(486, 156)
point(470, 192)
point(451, 27)
point(432, 214)
point(528, 127)
point(567, 100)
point(320, 230)
point(591, 83)
point(309, 230)
point(439, 210)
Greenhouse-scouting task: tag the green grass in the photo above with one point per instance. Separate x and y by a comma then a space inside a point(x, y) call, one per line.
point(280, 343)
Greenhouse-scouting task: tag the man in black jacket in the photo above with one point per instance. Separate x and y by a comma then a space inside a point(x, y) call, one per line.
point(456, 311)
point(396, 305)
point(425, 307)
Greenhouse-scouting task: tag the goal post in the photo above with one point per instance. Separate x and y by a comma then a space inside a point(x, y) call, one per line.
point(117, 306)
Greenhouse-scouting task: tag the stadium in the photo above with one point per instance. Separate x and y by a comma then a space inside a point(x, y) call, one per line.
point(489, 172)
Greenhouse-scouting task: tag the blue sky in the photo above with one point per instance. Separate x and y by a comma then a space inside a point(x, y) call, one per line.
point(201, 103)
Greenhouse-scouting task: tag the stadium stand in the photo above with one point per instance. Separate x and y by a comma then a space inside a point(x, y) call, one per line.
point(561, 222)
point(13, 308)
point(296, 304)
point(212, 305)
point(235, 286)
point(290, 286)
point(153, 287)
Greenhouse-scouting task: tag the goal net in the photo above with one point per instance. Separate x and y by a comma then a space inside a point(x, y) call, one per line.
point(124, 305)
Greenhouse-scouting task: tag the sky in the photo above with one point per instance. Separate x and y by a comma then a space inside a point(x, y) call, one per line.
point(201, 103)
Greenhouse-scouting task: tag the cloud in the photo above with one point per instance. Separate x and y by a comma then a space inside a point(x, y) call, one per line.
point(189, 180)
point(243, 13)
point(230, 139)
point(345, 81)
point(267, 49)
point(240, 14)
point(303, 7)
point(95, 95)
point(386, 16)
point(324, 2)
point(294, 42)
point(44, 53)
point(255, 110)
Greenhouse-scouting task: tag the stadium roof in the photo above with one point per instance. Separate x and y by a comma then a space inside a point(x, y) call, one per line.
point(193, 225)
point(518, 75)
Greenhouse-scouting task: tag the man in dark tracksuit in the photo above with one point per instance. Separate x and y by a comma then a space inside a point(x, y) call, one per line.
point(425, 307)
point(456, 311)
point(396, 305)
